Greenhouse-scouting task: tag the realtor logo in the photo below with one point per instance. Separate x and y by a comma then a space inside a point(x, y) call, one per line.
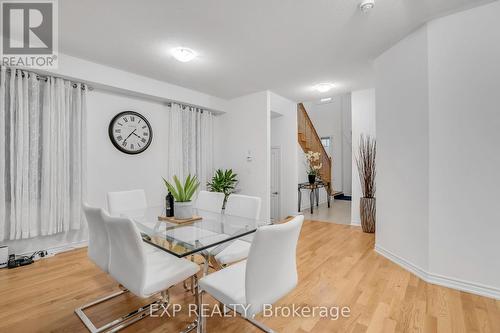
point(29, 33)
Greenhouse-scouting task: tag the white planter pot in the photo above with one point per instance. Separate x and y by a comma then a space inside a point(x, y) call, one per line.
point(183, 210)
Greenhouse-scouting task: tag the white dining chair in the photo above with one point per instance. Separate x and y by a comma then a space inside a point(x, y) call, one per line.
point(98, 244)
point(129, 265)
point(269, 273)
point(209, 201)
point(158, 277)
point(126, 201)
point(243, 206)
point(143, 274)
point(98, 252)
point(240, 206)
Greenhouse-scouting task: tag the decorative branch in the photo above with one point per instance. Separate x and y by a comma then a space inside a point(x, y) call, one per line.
point(365, 160)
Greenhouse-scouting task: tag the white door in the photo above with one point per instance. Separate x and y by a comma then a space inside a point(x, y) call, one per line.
point(275, 183)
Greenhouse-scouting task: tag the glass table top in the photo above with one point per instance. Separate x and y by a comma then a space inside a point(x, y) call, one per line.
point(213, 232)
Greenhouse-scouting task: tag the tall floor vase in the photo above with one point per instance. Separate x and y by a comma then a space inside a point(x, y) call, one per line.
point(367, 210)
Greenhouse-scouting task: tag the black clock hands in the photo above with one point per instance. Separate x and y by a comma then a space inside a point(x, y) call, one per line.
point(130, 134)
point(135, 134)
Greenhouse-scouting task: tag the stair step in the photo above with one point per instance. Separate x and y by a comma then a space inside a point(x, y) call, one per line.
point(341, 196)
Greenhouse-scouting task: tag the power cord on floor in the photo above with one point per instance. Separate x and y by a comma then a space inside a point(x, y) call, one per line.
point(24, 260)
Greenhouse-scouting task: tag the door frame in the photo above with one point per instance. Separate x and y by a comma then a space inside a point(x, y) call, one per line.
point(280, 183)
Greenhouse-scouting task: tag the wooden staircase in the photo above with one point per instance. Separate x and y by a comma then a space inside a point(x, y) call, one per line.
point(309, 140)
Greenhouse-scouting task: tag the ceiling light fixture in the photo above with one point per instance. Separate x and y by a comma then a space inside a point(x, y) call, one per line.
point(324, 87)
point(324, 100)
point(366, 5)
point(183, 54)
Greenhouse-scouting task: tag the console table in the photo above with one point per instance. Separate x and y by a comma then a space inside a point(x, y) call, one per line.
point(314, 193)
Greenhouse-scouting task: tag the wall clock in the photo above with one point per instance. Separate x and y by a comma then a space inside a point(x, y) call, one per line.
point(130, 132)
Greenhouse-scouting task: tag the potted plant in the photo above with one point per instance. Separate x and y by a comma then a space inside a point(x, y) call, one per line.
point(365, 161)
point(313, 165)
point(183, 193)
point(223, 181)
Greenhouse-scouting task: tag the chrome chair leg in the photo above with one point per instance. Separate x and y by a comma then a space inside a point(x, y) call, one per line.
point(123, 321)
point(254, 322)
point(190, 287)
point(201, 328)
point(259, 325)
point(190, 327)
point(134, 316)
point(191, 280)
point(165, 296)
point(200, 323)
point(195, 323)
point(87, 322)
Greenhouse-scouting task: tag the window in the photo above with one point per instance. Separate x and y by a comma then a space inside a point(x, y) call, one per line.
point(326, 141)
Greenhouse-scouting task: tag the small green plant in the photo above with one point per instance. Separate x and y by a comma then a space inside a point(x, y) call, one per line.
point(223, 181)
point(183, 193)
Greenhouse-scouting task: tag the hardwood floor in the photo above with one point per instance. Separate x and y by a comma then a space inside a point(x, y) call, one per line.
point(337, 267)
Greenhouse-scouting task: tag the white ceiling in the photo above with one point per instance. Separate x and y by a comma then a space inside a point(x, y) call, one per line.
point(245, 46)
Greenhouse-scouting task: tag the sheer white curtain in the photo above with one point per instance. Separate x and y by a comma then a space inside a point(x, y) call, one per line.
point(190, 143)
point(42, 149)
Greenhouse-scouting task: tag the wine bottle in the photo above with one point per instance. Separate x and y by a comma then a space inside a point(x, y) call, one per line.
point(169, 205)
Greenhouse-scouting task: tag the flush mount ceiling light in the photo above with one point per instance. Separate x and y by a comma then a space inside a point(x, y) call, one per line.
point(183, 54)
point(324, 87)
point(366, 5)
point(324, 100)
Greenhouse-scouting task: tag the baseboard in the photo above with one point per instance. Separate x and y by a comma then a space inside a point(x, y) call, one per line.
point(402, 262)
point(471, 287)
point(445, 281)
point(356, 222)
point(59, 249)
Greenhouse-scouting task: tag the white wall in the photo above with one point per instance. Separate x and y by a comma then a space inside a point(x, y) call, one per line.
point(284, 135)
point(105, 77)
point(437, 125)
point(403, 149)
point(464, 118)
point(111, 170)
point(363, 122)
point(246, 129)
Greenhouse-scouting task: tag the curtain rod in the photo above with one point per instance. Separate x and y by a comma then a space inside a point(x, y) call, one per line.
point(45, 77)
point(184, 106)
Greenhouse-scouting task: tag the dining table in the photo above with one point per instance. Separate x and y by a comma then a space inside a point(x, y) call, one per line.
point(207, 236)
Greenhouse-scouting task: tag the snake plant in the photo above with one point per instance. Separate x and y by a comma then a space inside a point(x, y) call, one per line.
point(183, 192)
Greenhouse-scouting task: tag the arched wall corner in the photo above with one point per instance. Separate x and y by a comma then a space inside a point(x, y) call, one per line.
point(437, 122)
